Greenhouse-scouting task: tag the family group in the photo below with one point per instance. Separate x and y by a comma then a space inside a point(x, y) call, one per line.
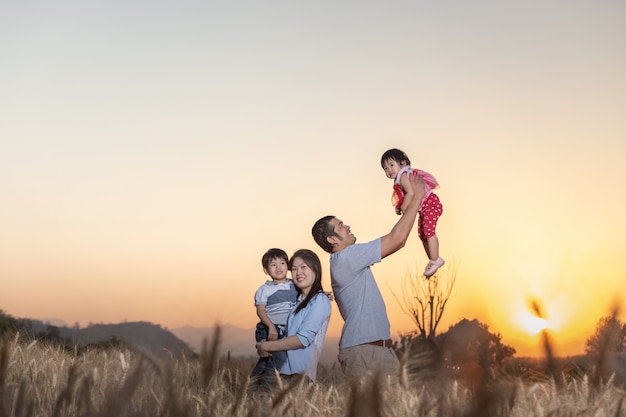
point(294, 312)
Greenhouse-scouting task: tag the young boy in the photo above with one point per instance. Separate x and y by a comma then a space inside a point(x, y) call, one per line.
point(274, 301)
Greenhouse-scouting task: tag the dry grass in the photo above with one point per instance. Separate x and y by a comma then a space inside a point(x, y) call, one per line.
point(41, 380)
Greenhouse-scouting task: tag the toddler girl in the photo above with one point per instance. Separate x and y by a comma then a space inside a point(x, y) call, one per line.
point(397, 166)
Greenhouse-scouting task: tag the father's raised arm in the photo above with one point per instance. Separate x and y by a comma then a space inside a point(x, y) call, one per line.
point(396, 239)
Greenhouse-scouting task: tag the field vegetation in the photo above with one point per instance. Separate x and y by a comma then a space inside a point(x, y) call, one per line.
point(40, 378)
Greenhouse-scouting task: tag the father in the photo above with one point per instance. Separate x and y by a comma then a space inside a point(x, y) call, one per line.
point(365, 343)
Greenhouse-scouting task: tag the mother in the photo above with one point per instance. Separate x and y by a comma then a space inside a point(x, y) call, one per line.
point(308, 320)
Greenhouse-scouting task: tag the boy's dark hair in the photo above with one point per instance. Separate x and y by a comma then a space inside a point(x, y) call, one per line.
point(323, 230)
point(312, 261)
point(274, 253)
point(395, 154)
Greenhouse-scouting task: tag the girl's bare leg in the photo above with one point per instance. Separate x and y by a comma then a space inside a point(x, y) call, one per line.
point(426, 249)
point(432, 247)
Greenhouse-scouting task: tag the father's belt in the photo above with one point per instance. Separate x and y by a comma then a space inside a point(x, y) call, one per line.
point(383, 343)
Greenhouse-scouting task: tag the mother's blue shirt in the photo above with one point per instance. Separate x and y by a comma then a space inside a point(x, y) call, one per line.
point(309, 325)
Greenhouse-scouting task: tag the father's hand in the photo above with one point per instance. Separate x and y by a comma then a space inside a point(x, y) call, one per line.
point(417, 183)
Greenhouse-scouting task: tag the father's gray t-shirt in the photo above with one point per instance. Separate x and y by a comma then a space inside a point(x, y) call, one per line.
point(357, 295)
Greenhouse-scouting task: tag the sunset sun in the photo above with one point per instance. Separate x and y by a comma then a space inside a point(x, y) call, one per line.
point(533, 324)
point(532, 318)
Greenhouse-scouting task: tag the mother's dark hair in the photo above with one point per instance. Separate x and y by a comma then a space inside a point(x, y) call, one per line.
point(311, 260)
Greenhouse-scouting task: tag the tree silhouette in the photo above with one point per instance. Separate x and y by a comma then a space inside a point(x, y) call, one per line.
point(425, 299)
point(471, 340)
point(609, 337)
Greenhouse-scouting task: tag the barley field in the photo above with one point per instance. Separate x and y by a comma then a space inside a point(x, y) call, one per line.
point(39, 379)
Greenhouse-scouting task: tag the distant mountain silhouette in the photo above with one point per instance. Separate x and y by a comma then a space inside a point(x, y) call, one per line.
point(162, 342)
point(143, 336)
point(233, 340)
point(237, 341)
